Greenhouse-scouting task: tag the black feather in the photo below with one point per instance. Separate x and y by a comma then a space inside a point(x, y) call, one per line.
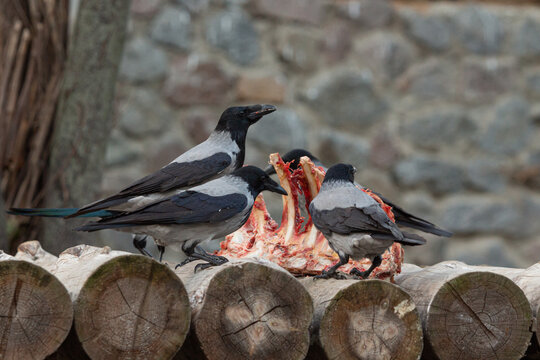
point(188, 207)
point(173, 176)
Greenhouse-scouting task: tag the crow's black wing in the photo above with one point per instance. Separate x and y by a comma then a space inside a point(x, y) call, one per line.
point(173, 176)
point(404, 218)
point(352, 219)
point(189, 207)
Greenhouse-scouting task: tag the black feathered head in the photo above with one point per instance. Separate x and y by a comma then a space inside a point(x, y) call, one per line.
point(258, 180)
point(293, 157)
point(239, 118)
point(340, 172)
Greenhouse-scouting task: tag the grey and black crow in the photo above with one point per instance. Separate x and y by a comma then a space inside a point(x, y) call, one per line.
point(403, 218)
point(354, 224)
point(222, 153)
point(190, 217)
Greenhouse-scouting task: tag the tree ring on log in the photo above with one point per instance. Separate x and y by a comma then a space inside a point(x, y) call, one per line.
point(251, 311)
point(479, 315)
point(35, 313)
point(371, 319)
point(132, 307)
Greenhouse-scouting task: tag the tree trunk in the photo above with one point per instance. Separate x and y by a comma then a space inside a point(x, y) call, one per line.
point(369, 319)
point(468, 314)
point(4, 241)
point(83, 120)
point(36, 312)
point(126, 306)
point(246, 309)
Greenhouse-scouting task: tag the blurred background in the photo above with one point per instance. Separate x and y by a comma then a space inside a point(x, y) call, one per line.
point(437, 104)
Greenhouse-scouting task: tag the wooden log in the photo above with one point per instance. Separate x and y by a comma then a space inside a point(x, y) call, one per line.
point(35, 310)
point(371, 319)
point(126, 306)
point(468, 314)
point(246, 309)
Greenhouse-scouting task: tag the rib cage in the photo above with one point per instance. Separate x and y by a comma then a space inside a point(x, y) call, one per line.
point(297, 245)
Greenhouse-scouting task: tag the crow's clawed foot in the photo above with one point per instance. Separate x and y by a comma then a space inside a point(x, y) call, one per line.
point(360, 274)
point(213, 260)
point(139, 241)
point(186, 261)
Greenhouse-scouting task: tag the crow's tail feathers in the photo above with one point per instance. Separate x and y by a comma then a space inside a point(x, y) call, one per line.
point(59, 213)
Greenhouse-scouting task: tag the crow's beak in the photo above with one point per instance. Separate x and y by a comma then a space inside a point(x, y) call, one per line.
point(270, 170)
point(273, 186)
point(260, 110)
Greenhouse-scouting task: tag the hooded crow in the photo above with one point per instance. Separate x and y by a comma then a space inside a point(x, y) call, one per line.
point(353, 222)
point(402, 217)
point(190, 217)
point(222, 153)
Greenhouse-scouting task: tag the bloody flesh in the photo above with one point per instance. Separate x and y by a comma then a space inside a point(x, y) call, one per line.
point(297, 245)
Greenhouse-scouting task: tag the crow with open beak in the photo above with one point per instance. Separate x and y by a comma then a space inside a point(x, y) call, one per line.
point(222, 153)
point(202, 213)
point(402, 217)
point(354, 223)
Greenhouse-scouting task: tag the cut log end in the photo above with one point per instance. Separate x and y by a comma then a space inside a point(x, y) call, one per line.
point(132, 307)
point(370, 319)
point(250, 311)
point(36, 311)
point(479, 315)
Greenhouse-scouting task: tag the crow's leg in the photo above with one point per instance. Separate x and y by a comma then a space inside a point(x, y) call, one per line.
point(197, 253)
point(139, 241)
point(161, 250)
point(343, 259)
point(377, 260)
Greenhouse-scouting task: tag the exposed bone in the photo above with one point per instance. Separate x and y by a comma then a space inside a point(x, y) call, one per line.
point(303, 250)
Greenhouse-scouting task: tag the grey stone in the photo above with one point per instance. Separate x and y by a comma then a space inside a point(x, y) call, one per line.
point(484, 79)
point(533, 82)
point(432, 31)
point(233, 32)
point(367, 13)
point(335, 147)
point(120, 150)
point(437, 176)
point(528, 174)
point(430, 79)
point(484, 251)
point(470, 215)
point(195, 81)
point(280, 131)
point(142, 113)
point(193, 6)
point(172, 27)
point(509, 132)
point(480, 30)
point(419, 203)
point(527, 38)
point(387, 54)
point(299, 49)
point(485, 175)
point(306, 11)
point(142, 61)
point(439, 127)
point(347, 99)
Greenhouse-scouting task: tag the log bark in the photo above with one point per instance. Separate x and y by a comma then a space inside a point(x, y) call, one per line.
point(36, 311)
point(125, 306)
point(246, 309)
point(468, 314)
point(83, 120)
point(369, 319)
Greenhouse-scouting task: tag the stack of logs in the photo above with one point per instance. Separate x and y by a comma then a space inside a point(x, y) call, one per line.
point(101, 304)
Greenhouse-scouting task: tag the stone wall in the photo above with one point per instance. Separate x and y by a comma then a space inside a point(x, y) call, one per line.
point(436, 104)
